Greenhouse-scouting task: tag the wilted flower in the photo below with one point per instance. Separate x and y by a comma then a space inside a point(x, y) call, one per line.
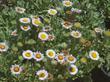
point(20, 10)
point(51, 37)
point(14, 33)
point(47, 28)
point(98, 30)
point(67, 24)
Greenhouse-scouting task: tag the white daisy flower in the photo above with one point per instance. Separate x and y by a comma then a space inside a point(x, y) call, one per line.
point(52, 11)
point(24, 20)
point(16, 69)
point(3, 47)
point(50, 53)
point(60, 58)
point(36, 22)
point(67, 3)
point(94, 55)
point(76, 34)
point(98, 30)
point(42, 74)
point(67, 24)
point(43, 36)
point(25, 28)
point(73, 69)
point(28, 54)
point(38, 56)
point(70, 59)
point(20, 10)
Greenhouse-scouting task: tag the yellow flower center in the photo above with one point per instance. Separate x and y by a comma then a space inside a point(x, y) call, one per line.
point(52, 12)
point(38, 56)
point(25, 27)
point(70, 58)
point(16, 69)
point(42, 75)
point(2, 46)
point(67, 3)
point(76, 34)
point(72, 69)
point(94, 55)
point(50, 53)
point(68, 12)
point(25, 20)
point(43, 36)
point(28, 54)
point(60, 57)
point(37, 22)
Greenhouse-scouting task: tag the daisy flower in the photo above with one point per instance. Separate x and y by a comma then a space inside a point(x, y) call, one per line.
point(76, 34)
point(24, 20)
point(3, 47)
point(38, 56)
point(36, 22)
point(14, 33)
point(73, 69)
point(50, 53)
point(42, 74)
point(70, 59)
point(60, 58)
point(52, 11)
point(25, 28)
point(20, 10)
point(51, 37)
point(98, 30)
point(28, 54)
point(94, 55)
point(16, 69)
point(67, 24)
point(43, 36)
point(67, 3)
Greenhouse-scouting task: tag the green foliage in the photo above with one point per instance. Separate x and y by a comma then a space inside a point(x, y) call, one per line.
point(93, 15)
